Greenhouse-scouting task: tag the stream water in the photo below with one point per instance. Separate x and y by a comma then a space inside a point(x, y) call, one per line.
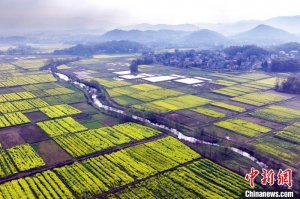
point(92, 92)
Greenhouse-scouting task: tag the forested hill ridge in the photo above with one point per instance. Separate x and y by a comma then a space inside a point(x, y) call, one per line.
point(105, 47)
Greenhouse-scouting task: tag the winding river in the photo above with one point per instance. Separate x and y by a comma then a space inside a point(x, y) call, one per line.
point(92, 92)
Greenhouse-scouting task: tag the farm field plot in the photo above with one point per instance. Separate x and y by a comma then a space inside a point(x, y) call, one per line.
point(136, 131)
point(125, 100)
point(59, 110)
point(91, 141)
point(142, 92)
point(228, 106)
point(260, 98)
point(146, 87)
point(42, 185)
point(224, 82)
point(7, 166)
point(61, 126)
point(41, 86)
point(16, 118)
point(31, 63)
point(22, 105)
point(81, 180)
point(109, 173)
point(25, 157)
point(25, 79)
point(279, 149)
point(278, 114)
point(199, 179)
point(111, 83)
point(4, 122)
point(16, 96)
point(174, 103)
point(243, 127)
point(7, 67)
point(237, 90)
point(58, 91)
point(229, 77)
point(37, 103)
point(209, 112)
point(65, 99)
point(122, 167)
point(290, 133)
point(63, 67)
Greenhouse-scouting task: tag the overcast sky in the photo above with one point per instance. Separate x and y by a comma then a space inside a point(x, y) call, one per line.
point(77, 14)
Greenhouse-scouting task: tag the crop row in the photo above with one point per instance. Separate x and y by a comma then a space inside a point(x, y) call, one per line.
point(243, 127)
point(87, 142)
point(10, 119)
point(201, 179)
point(22, 105)
point(61, 126)
point(25, 157)
point(42, 185)
point(16, 96)
point(279, 149)
point(25, 79)
point(290, 133)
point(7, 166)
point(100, 174)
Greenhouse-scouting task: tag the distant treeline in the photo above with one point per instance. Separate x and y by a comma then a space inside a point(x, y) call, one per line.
point(106, 47)
point(291, 85)
point(289, 65)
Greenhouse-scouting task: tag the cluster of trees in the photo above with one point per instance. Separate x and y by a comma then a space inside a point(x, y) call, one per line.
point(291, 85)
point(289, 65)
point(144, 59)
point(245, 51)
point(106, 47)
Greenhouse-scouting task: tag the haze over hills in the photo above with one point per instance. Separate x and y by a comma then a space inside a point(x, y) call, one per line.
point(274, 31)
point(147, 26)
point(261, 35)
point(288, 23)
point(205, 37)
point(264, 34)
point(145, 36)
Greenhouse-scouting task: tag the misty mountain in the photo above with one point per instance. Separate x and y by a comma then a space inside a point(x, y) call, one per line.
point(146, 26)
point(288, 23)
point(264, 35)
point(145, 36)
point(205, 37)
point(183, 38)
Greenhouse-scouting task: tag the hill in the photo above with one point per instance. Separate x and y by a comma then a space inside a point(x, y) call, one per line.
point(264, 35)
